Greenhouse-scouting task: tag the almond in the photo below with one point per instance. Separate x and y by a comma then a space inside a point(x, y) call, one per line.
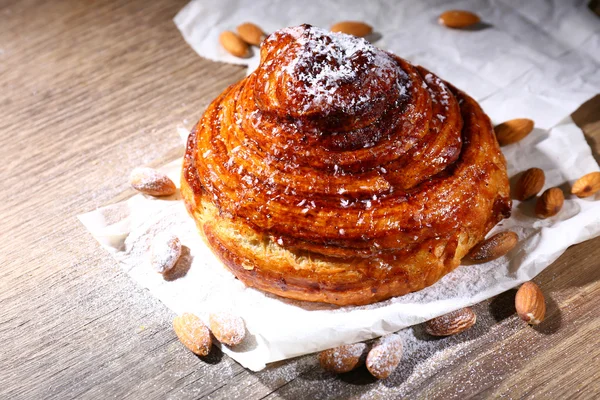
point(494, 247)
point(530, 184)
point(166, 250)
point(530, 303)
point(234, 45)
point(452, 323)
point(192, 332)
point(343, 358)
point(227, 328)
point(549, 203)
point(356, 28)
point(587, 185)
point(458, 19)
point(152, 182)
point(251, 33)
point(512, 131)
point(384, 356)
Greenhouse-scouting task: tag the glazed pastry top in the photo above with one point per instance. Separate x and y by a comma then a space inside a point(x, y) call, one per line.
point(337, 147)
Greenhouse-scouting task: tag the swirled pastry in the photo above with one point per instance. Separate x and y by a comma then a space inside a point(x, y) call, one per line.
point(340, 173)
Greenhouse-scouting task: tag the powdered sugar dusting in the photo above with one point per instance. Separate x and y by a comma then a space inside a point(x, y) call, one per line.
point(286, 329)
point(151, 181)
point(166, 250)
point(343, 358)
point(352, 350)
point(228, 328)
point(423, 358)
point(385, 355)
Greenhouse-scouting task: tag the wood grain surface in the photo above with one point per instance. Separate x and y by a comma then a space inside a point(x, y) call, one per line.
point(89, 89)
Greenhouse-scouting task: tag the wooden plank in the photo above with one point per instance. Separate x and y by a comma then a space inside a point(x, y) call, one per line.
point(89, 90)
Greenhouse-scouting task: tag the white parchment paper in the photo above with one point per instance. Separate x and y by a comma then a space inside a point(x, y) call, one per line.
point(534, 59)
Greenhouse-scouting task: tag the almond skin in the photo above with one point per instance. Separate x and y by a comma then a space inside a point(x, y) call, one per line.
point(356, 28)
point(234, 45)
point(458, 19)
point(530, 184)
point(452, 323)
point(192, 332)
point(494, 247)
point(251, 33)
point(549, 203)
point(166, 250)
point(384, 356)
point(343, 358)
point(514, 130)
point(227, 328)
point(587, 185)
point(152, 182)
point(530, 303)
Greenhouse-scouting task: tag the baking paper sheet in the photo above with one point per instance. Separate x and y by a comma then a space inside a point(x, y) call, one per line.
point(534, 59)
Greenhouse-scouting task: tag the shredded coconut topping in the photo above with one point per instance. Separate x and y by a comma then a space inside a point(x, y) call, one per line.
point(322, 63)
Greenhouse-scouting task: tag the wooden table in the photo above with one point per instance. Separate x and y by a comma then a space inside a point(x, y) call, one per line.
point(89, 90)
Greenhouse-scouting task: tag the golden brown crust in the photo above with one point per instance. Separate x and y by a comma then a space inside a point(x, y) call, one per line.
point(320, 197)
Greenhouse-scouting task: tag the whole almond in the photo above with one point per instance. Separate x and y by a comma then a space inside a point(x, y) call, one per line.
point(514, 130)
point(343, 358)
point(192, 332)
point(152, 182)
point(251, 33)
point(549, 203)
point(458, 19)
point(234, 45)
point(452, 323)
point(384, 356)
point(227, 328)
point(356, 28)
point(530, 184)
point(494, 247)
point(587, 185)
point(530, 303)
point(166, 250)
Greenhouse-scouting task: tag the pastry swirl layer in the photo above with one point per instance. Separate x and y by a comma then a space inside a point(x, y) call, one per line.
point(338, 172)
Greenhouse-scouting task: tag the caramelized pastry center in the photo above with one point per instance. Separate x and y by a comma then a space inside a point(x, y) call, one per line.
point(339, 82)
